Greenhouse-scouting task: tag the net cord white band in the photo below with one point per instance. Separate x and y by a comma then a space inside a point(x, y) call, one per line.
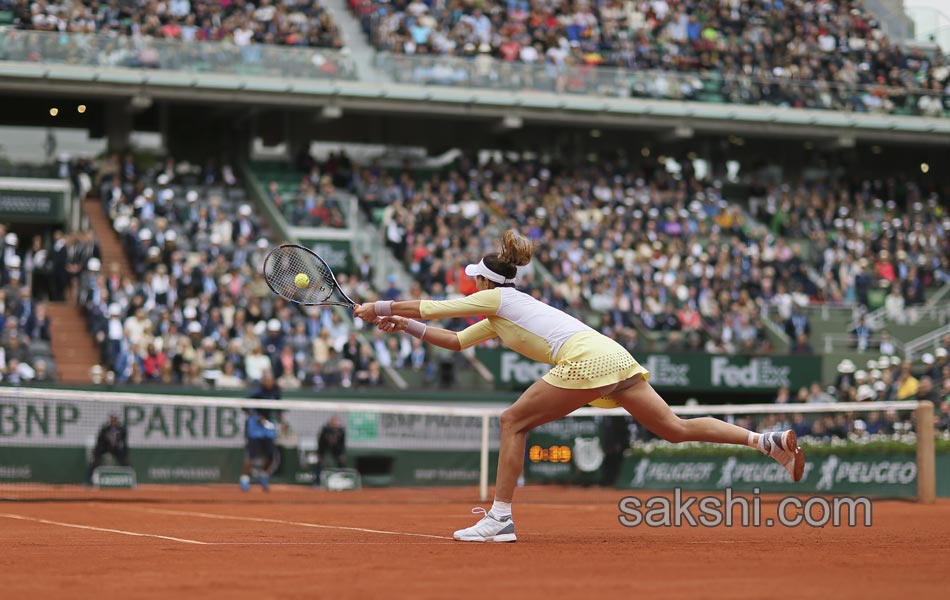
point(400, 407)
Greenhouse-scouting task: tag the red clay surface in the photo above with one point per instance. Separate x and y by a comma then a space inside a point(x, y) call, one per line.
point(294, 543)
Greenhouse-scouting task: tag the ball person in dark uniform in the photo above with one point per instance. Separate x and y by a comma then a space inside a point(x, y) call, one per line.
point(332, 443)
point(112, 439)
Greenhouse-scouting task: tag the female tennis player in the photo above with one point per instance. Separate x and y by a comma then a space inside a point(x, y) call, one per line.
point(589, 368)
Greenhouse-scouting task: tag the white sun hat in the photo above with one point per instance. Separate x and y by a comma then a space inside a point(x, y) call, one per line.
point(479, 268)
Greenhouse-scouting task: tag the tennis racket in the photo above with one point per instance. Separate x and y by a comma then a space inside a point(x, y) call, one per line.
point(298, 274)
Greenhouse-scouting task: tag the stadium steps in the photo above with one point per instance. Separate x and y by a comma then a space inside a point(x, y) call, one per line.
point(361, 52)
point(74, 350)
point(109, 244)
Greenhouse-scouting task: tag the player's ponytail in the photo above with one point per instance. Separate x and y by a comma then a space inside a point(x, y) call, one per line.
point(516, 249)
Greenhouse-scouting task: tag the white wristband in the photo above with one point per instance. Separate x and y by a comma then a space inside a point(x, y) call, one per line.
point(416, 329)
point(384, 308)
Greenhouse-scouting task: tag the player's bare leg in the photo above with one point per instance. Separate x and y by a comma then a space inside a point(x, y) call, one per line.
point(651, 411)
point(539, 404)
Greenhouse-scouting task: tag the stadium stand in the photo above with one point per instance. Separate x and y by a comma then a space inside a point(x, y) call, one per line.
point(735, 268)
point(865, 234)
point(285, 23)
point(828, 55)
point(307, 200)
point(745, 285)
point(770, 265)
point(195, 307)
point(25, 327)
point(292, 44)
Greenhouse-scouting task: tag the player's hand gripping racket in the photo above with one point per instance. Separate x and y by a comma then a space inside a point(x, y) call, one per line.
point(299, 275)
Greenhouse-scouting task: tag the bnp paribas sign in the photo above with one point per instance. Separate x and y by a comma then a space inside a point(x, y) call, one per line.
point(692, 372)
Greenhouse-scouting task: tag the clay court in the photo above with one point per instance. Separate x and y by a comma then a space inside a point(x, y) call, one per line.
point(295, 543)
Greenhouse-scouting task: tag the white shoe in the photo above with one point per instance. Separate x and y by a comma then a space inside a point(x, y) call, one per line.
point(783, 447)
point(489, 529)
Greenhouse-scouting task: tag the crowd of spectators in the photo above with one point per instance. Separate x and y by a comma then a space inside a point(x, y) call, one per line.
point(638, 249)
point(628, 250)
point(890, 378)
point(887, 378)
point(831, 54)
point(887, 234)
point(312, 200)
point(285, 22)
point(197, 310)
point(29, 276)
point(657, 261)
point(282, 39)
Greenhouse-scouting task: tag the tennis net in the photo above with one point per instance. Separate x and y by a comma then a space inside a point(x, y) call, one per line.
point(50, 438)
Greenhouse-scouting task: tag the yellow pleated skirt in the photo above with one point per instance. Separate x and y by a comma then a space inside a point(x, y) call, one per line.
point(591, 360)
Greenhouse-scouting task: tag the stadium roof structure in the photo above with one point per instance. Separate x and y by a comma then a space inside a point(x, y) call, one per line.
point(415, 99)
point(288, 77)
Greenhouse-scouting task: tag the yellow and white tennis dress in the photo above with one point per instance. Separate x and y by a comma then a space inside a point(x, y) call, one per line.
point(582, 357)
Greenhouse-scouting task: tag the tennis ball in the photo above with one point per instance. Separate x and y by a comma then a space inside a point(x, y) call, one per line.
point(301, 280)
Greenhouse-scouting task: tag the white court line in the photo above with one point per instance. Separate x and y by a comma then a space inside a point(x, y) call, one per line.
point(89, 527)
point(188, 513)
point(447, 543)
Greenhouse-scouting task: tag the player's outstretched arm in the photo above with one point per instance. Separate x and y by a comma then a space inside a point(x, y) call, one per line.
point(484, 303)
point(403, 308)
point(438, 336)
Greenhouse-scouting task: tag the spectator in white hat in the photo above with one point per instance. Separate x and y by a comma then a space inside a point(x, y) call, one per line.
point(845, 380)
point(9, 257)
point(882, 391)
point(244, 226)
point(259, 254)
point(864, 393)
point(189, 213)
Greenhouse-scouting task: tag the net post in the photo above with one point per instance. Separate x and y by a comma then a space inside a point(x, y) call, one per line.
point(483, 463)
point(926, 471)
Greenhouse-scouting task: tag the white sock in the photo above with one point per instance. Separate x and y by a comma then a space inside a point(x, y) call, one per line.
point(757, 441)
point(245, 479)
point(500, 509)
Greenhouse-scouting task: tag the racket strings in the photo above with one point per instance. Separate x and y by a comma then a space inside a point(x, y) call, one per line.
point(283, 267)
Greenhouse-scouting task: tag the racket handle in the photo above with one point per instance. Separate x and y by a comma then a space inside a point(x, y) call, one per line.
point(383, 308)
point(416, 329)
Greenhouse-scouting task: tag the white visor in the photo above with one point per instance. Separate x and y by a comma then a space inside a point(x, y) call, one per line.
point(474, 270)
